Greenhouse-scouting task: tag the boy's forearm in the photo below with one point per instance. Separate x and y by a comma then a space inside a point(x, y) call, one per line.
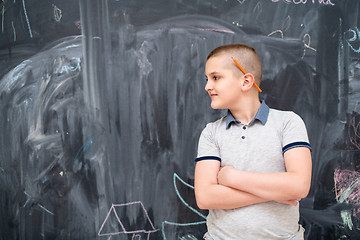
point(217, 196)
point(275, 186)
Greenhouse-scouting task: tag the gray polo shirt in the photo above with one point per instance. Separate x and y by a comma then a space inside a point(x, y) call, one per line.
point(256, 147)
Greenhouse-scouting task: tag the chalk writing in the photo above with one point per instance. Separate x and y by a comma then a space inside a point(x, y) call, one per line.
point(352, 37)
point(57, 13)
point(307, 38)
point(324, 2)
point(108, 229)
point(175, 178)
point(276, 31)
point(307, 41)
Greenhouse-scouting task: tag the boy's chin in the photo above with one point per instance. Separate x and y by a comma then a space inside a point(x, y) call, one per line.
point(215, 106)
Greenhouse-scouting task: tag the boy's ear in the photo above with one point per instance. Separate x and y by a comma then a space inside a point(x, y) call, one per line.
point(248, 81)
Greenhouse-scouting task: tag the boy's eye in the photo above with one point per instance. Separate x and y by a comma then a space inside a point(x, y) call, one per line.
point(213, 77)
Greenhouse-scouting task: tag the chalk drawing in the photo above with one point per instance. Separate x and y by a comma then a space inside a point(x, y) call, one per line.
point(241, 1)
point(237, 24)
point(57, 13)
point(83, 149)
point(276, 31)
point(78, 24)
point(347, 190)
point(217, 30)
point(33, 202)
point(69, 66)
point(81, 152)
point(354, 132)
point(27, 19)
point(2, 20)
point(142, 58)
point(353, 39)
point(257, 9)
point(286, 24)
point(308, 38)
point(12, 24)
point(136, 236)
point(112, 214)
point(175, 178)
point(307, 41)
point(187, 237)
point(296, 2)
point(346, 217)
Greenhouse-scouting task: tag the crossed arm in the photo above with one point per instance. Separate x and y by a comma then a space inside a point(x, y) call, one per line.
point(228, 188)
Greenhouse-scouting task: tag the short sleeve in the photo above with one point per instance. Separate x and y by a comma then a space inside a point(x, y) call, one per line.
point(294, 133)
point(208, 148)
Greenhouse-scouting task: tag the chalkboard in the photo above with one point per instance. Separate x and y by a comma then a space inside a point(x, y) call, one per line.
point(102, 104)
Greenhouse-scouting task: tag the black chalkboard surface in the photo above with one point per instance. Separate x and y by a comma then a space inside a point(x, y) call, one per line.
point(102, 104)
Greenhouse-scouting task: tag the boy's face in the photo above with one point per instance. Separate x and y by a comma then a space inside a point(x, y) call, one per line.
point(223, 85)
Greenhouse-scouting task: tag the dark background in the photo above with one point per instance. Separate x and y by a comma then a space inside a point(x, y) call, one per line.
point(102, 104)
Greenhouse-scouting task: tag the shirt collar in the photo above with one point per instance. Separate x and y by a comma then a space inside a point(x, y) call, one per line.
point(261, 115)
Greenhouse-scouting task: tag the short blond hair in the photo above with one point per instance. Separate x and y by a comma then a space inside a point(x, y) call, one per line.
point(245, 55)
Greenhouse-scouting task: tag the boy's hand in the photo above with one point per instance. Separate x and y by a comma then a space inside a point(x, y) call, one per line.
point(224, 175)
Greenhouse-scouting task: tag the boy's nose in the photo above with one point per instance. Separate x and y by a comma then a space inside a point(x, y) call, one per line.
point(208, 86)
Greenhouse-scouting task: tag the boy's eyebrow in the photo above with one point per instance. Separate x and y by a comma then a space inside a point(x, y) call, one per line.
point(213, 73)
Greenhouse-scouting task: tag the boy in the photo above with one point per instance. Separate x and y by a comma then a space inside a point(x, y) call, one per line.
point(254, 165)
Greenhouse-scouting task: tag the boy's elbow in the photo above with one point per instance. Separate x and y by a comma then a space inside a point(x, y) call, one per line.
point(201, 205)
point(202, 200)
point(305, 191)
point(302, 190)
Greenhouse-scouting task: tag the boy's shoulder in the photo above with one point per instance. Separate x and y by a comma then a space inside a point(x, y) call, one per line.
point(284, 119)
point(214, 126)
point(219, 122)
point(282, 114)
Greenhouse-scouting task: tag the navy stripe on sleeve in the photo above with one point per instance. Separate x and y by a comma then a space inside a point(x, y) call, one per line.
point(296, 144)
point(208, 158)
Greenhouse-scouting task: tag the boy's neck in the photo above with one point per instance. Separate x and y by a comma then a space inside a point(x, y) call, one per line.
point(246, 111)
